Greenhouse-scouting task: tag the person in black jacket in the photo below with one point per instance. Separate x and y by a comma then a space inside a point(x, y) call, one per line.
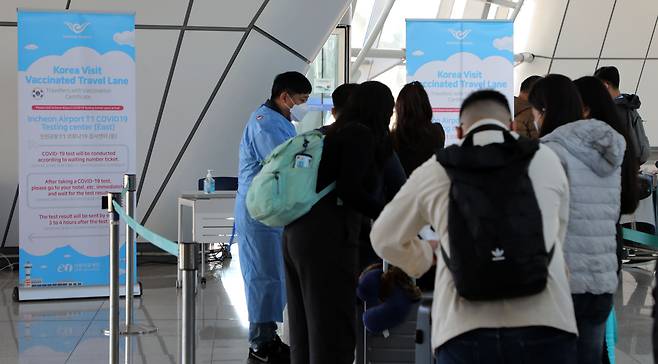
point(340, 96)
point(392, 178)
point(627, 106)
point(321, 247)
point(415, 140)
point(415, 137)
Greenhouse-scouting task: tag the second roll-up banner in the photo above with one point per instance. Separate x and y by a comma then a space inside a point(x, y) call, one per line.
point(452, 58)
point(76, 102)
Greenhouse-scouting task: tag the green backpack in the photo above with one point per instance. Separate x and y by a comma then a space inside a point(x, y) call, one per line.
point(285, 189)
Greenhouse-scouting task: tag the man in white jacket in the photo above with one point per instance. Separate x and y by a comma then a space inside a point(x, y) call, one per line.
point(539, 328)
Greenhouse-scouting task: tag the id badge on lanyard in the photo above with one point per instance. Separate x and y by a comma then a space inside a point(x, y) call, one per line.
point(303, 161)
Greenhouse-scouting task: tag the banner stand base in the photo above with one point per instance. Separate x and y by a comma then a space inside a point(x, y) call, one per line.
point(21, 294)
point(133, 330)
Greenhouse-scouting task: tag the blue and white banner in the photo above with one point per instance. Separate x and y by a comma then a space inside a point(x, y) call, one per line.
point(76, 102)
point(454, 58)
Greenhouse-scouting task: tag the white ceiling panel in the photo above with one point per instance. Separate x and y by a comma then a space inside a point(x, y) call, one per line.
point(574, 68)
point(167, 12)
point(653, 51)
point(537, 26)
point(630, 29)
point(578, 40)
point(216, 142)
point(297, 24)
point(629, 73)
point(151, 81)
point(214, 13)
point(473, 10)
point(539, 67)
point(445, 8)
point(203, 58)
point(8, 7)
point(648, 93)
point(503, 13)
point(9, 122)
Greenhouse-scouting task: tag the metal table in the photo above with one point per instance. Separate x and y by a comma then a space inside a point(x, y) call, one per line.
point(212, 220)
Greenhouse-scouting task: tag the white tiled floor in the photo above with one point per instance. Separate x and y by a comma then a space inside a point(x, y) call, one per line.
point(71, 331)
point(634, 303)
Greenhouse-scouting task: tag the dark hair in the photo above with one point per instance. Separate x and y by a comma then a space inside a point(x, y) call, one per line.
point(609, 74)
point(341, 94)
point(527, 84)
point(601, 107)
point(485, 95)
point(291, 82)
point(558, 99)
point(414, 116)
point(371, 104)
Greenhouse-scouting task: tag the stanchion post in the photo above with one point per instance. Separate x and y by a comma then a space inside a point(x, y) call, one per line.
point(130, 328)
point(129, 183)
point(114, 277)
point(187, 265)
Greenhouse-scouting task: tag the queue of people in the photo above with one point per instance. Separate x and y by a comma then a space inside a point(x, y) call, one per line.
point(528, 249)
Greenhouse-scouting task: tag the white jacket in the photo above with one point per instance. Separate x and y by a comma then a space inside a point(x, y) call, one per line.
point(424, 200)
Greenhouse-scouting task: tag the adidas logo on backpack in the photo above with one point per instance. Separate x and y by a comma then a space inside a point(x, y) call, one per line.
point(498, 255)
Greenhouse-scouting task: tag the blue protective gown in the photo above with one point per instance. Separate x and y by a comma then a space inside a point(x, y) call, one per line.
point(261, 256)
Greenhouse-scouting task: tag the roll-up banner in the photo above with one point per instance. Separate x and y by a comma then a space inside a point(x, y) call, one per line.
point(76, 117)
point(452, 58)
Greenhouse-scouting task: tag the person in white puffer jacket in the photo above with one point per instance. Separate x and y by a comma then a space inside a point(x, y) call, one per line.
point(592, 153)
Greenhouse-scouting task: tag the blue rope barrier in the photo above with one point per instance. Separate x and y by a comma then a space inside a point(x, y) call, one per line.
point(611, 335)
point(641, 238)
point(155, 239)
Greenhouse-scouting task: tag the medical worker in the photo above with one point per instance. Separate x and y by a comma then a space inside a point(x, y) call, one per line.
point(261, 258)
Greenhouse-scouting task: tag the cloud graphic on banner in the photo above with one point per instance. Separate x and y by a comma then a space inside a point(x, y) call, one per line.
point(504, 44)
point(418, 53)
point(31, 47)
point(125, 38)
point(442, 79)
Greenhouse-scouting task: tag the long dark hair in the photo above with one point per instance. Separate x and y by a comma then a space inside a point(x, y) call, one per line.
point(413, 124)
point(601, 107)
point(558, 99)
point(370, 104)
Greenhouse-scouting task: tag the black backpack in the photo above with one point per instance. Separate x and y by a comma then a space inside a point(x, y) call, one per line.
point(495, 226)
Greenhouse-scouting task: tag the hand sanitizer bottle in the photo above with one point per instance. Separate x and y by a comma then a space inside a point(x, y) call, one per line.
point(209, 183)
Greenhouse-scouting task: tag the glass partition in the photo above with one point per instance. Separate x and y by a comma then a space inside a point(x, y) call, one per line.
point(328, 71)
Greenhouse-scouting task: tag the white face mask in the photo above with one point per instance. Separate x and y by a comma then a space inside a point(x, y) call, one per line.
point(298, 112)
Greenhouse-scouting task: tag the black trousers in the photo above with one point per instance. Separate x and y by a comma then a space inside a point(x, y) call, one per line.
point(320, 254)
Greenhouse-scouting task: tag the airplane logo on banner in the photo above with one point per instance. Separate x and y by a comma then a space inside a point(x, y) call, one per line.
point(77, 28)
point(460, 34)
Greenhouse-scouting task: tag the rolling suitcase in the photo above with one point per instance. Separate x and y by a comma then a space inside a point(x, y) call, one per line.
point(398, 345)
point(424, 353)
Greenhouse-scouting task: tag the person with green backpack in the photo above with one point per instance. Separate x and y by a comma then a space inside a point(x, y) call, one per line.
point(320, 248)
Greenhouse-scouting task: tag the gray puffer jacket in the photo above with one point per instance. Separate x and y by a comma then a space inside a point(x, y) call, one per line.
point(591, 153)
